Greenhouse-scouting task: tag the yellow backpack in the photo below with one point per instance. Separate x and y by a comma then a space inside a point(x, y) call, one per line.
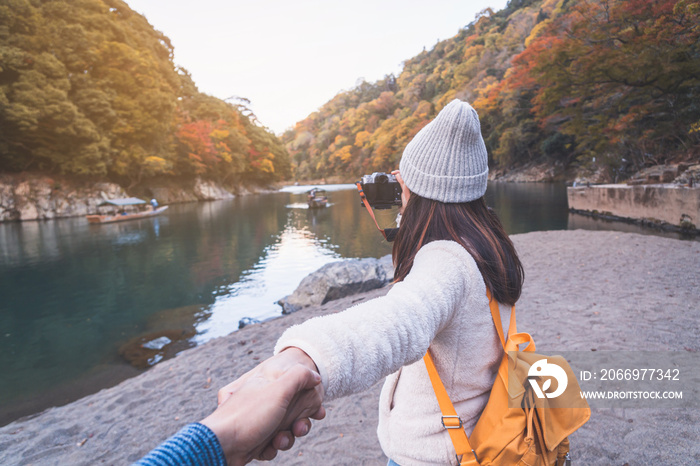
point(522, 424)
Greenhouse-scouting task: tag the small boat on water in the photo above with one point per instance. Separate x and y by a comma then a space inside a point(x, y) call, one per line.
point(125, 209)
point(316, 200)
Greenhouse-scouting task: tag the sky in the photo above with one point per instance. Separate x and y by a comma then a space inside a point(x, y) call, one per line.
point(289, 57)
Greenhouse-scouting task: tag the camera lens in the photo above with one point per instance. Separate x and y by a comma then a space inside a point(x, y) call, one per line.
point(382, 178)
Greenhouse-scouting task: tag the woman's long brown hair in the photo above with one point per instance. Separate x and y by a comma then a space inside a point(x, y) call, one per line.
point(471, 224)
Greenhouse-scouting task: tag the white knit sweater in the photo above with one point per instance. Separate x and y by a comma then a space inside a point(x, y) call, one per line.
point(441, 305)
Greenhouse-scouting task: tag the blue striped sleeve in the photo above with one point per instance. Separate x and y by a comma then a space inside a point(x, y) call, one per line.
point(194, 445)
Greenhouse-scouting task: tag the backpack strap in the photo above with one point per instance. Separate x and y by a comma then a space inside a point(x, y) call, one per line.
point(466, 456)
point(496, 315)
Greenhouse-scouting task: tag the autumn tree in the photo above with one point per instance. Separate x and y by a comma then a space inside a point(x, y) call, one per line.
point(366, 128)
point(555, 81)
point(620, 77)
point(88, 87)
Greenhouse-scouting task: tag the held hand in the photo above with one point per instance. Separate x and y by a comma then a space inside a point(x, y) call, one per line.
point(257, 410)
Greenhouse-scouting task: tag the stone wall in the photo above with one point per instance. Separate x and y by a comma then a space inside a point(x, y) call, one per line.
point(668, 203)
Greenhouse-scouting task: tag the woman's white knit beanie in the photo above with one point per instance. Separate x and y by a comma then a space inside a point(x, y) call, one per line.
point(447, 160)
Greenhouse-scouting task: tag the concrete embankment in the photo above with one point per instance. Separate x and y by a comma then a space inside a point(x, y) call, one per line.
point(662, 204)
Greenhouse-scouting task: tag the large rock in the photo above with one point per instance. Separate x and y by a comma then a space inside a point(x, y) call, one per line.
point(172, 195)
point(209, 191)
point(36, 197)
point(201, 190)
point(337, 280)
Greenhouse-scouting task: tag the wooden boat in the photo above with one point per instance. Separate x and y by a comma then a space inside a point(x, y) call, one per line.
point(119, 213)
point(318, 203)
point(315, 201)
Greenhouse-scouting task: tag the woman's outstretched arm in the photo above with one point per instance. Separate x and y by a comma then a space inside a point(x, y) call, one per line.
point(356, 348)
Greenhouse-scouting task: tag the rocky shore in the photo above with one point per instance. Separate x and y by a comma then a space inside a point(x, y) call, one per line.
point(41, 197)
point(584, 291)
point(31, 196)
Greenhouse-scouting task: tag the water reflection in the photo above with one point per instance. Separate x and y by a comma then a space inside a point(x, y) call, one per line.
point(295, 254)
point(299, 189)
point(73, 296)
point(524, 207)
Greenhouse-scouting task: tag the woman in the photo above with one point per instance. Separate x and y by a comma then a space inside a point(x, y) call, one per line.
point(449, 250)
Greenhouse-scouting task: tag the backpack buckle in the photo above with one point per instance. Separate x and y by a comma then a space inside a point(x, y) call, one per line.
point(451, 423)
point(459, 458)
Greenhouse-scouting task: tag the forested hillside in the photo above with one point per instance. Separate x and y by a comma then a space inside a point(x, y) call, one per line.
point(88, 87)
point(611, 84)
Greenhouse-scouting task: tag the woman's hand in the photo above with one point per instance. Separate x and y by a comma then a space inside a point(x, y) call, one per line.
point(277, 399)
point(405, 192)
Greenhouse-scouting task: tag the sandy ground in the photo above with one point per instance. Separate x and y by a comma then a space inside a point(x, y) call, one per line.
point(584, 290)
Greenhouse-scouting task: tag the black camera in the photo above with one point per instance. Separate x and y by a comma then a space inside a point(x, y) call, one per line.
point(382, 190)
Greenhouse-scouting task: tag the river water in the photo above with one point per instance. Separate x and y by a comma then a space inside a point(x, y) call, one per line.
point(75, 297)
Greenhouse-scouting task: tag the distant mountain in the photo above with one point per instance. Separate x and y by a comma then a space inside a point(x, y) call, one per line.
point(88, 87)
point(612, 85)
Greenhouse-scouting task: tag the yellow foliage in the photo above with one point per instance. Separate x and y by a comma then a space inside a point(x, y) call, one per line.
point(266, 166)
point(340, 140)
point(423, 110)
point(156, 165)
point(473, 51)
point(482, 103)
point(219, 133)
point(362, 138)
point(536, 31)
point(344, 154)
point(558, 5)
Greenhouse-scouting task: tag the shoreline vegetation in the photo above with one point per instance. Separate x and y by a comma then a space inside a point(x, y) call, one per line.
point(37, 196)
point(612, 291)
point(565, 91)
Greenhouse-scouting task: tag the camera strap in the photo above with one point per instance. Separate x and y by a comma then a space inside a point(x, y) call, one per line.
point(389, 233)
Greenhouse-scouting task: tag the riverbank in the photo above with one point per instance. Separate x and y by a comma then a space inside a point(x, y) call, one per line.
point(34, 196)
point(583, 291)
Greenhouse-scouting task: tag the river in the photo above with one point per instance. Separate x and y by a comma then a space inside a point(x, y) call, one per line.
point(73, 295)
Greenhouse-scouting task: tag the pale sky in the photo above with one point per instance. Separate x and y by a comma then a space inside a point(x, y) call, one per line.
point(290, 57)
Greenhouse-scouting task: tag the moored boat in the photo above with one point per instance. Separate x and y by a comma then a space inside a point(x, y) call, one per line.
point(315, 200)
point(119, 210)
